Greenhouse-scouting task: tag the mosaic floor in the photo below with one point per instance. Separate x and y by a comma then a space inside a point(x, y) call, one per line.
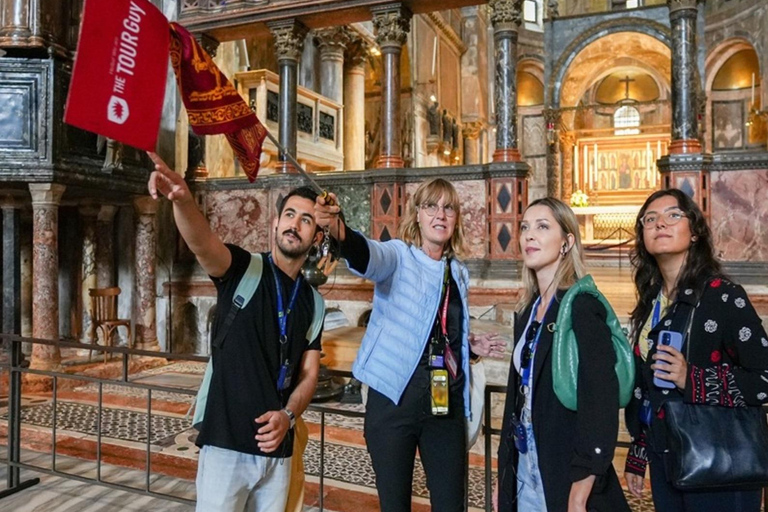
point(347, 464)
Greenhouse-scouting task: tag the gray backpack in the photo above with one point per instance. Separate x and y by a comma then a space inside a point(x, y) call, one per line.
point(245, 290)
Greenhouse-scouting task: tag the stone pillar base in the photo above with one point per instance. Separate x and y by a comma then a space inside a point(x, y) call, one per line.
point(285, 167)
point(507, 155)
point(389, 162)
point(152, 346)
point(677, 147)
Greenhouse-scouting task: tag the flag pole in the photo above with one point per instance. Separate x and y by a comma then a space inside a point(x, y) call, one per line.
point(320, 190)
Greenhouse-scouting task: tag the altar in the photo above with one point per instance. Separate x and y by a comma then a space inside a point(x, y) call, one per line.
point(606, 224)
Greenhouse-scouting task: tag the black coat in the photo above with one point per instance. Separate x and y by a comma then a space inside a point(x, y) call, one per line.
point(570, 445)
point(727, 361)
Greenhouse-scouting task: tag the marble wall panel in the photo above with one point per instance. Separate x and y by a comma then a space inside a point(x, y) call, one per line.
point(739, 206)
point(534, 136)
point(240, 217)
point(474, 217)
point(728, 124)
point(355, 202)
point(537, 177)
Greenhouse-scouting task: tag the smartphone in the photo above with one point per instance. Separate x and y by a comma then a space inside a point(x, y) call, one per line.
point(673, 339)
point(439, 391)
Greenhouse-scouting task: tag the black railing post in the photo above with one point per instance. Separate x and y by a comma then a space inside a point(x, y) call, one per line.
point(11, 324)
point(487, 432)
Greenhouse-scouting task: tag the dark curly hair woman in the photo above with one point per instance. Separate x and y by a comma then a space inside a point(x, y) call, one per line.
point(675, 273)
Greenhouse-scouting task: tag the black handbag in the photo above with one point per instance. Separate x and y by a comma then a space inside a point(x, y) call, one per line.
point(713, 447)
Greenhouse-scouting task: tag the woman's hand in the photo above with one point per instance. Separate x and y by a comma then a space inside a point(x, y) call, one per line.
point(488, 344)
point(327, 216)
point(676, 368)
point(577, 500)
point(635, 484)
point(495, 496)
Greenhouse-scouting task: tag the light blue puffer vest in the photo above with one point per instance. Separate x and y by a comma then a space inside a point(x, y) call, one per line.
point(405, 301)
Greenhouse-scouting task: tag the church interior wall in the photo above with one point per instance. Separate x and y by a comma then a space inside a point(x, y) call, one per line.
point(739, 218)
point(462, 82)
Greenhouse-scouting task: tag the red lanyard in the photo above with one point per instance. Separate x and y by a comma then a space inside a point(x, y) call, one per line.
point(447, 292)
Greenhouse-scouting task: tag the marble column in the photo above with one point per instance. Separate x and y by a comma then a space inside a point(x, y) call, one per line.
point(45, 272)
point(88, 216)
point(105, 250)
point(26, 278)
point(354, 104)
point(685, 126)
point(471, 133)
point(11, 273)
point(144, 288)
point(289, 42)
point(391, 24)
point(332, 43)
point(16, 18)
point(552, 119)
point(505, 18)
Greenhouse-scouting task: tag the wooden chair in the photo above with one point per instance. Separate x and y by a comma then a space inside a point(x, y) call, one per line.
point(104, 315)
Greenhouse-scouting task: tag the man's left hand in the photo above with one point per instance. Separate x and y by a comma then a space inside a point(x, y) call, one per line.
point(276, 425)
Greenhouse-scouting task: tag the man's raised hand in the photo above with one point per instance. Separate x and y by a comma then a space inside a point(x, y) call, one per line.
point(166, 182)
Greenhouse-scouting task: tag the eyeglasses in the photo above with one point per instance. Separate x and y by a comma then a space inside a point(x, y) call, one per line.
point(670, 218)
point(530, 335)
point(432, 208)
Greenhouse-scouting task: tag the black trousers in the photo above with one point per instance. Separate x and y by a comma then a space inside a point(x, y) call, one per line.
point(392, 434)
point(666, 498)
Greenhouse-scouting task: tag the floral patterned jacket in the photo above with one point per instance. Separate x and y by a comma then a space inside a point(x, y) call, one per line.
point(727, 362)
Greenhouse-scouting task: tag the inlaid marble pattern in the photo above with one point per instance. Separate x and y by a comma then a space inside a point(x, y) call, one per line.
point(241, 217)
point(115, 423)
point(739, 206)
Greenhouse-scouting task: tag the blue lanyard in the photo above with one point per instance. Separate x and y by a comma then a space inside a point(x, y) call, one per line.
point(656, 311)
point(282, 314)
point(529, 369)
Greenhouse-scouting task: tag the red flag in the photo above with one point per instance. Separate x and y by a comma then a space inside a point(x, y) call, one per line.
point(213, 105)
point(118, 82)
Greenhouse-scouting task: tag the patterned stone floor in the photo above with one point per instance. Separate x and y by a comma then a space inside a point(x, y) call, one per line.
point(347, 464)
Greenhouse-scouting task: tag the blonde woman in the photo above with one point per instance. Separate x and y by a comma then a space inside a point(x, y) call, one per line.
point(551, 458)
point(415, 353)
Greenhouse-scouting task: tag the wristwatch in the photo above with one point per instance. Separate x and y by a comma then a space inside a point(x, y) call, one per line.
point(291, 416)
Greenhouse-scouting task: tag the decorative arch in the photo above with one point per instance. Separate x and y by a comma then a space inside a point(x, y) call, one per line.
point(662, 82)
point(720, 55)
point(647, 27)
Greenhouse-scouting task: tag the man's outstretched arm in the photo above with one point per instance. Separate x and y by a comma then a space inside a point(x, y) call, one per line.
point(211, 252)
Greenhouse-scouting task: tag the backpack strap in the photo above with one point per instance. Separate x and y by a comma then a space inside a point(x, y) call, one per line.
point(243, 293)
point(245, 290)
point(317, 319)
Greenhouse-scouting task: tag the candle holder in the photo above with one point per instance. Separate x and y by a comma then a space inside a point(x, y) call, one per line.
point(755, 113)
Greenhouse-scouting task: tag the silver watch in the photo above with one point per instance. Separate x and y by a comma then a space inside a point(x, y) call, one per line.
point(291, 416)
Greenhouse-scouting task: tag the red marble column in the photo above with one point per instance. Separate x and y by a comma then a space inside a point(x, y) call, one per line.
point(391, 23)
point(87, 269)
point(144, 291)
point(45, 272)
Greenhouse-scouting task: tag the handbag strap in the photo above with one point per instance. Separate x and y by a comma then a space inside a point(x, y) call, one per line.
point(688, 332)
